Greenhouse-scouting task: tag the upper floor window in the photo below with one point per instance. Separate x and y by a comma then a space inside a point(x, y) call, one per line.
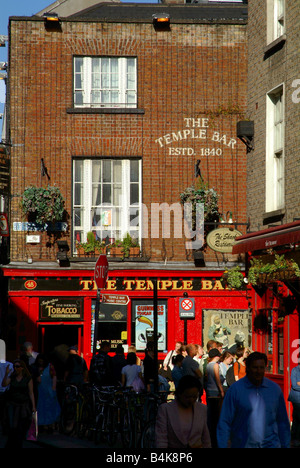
point(275, 19)
point(107, 199)
point(105, 82)
point(275, 150)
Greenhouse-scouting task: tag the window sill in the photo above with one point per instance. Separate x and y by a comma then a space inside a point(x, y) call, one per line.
point(273, 216)
point(102, 110)
point(275, 45)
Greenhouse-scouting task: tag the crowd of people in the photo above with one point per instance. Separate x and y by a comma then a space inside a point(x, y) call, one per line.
point(221, 399)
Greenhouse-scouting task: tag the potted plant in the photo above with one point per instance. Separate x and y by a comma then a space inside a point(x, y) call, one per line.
point(131, 246)
point(281, 269)
point(201, 193)
point(233, 278)
point(91, 247)
point(125, 248)
point(43, 205)
point(116, 249)
point(205, 195)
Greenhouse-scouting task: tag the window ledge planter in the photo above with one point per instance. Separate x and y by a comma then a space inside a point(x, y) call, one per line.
point(126, 248)
point(91, 248)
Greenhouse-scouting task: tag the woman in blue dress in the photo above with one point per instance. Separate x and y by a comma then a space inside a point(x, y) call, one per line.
point(48, 408)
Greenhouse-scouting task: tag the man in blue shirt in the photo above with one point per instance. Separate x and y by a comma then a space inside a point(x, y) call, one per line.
point(254, 413)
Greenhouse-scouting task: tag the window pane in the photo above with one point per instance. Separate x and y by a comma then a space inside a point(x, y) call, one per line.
point(134, 171)
point(134, 194)
point(107, 170)
point(106, 194)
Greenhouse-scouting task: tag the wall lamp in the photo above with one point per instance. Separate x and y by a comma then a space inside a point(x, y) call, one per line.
point(52, 17)
point(245, 132)
point(52, 21)
point(161, 20)
point(62, 254)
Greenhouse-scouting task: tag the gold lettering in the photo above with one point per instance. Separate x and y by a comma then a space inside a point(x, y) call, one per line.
point(128, 284)
point(175, 285)
point(165, 284)
point(218, 285)
point(140, 285)
point(111, 284)
point(206, 284)
point(187, 284)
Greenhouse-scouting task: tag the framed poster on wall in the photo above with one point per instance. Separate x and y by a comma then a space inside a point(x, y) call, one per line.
point(232, 328)
point(142, 324)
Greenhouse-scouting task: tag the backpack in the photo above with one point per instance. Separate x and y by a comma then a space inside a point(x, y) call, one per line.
point(230, 379)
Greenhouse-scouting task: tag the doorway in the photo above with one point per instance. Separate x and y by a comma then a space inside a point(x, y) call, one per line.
point(51, 336)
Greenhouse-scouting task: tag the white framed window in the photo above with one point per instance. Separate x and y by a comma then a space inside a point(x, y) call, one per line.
point(107, 199)
point(275, 180)
point(275, 19)
point(105, 82)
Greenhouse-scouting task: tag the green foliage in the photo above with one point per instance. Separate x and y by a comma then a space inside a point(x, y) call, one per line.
point(43, 204)
point(233, 278)
point(281, 268)
point(92, 244)
point(205, 195)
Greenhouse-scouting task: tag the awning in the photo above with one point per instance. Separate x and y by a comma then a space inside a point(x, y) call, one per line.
point(269, 238)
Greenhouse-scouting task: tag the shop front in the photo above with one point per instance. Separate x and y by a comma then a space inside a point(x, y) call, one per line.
point(274, 256)
point(51, 307)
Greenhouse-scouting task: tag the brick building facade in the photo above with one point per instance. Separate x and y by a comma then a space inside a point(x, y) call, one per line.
point(185, 92)
point(273, 179)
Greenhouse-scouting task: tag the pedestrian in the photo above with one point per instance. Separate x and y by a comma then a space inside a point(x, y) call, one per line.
point(118, 362)
point(189, 365)
point(132, 374)
point(254, 413)
point(214, 393)
point(225, 362)
point(28, 355)
point(20, 403)
point(101, 372)
point(182, 423)
point(203, 362)
point(294, 398)
point(3, 366)
point(199, 353)
point(177, 373)
point(150, 371)
point(76, 372)
point(168, 361)
point(239, 366)
point(48, 408)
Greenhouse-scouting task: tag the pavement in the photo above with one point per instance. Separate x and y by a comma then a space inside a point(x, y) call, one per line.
point(57, 440)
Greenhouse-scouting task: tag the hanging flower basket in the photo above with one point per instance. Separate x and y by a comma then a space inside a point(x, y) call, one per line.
point(206, 196)
point(43, 205)
point(266, 273)
point(261, 273)
point(233, 278)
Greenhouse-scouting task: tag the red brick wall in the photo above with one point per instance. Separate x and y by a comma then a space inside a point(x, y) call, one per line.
point(192, 71)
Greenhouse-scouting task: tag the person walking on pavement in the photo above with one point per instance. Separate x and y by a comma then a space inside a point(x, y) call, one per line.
point(182, 423)
point(101, 372)
point(294, 398)
point(20, 403)
point(189, 365)
point(76, 368)
point(254, 413)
